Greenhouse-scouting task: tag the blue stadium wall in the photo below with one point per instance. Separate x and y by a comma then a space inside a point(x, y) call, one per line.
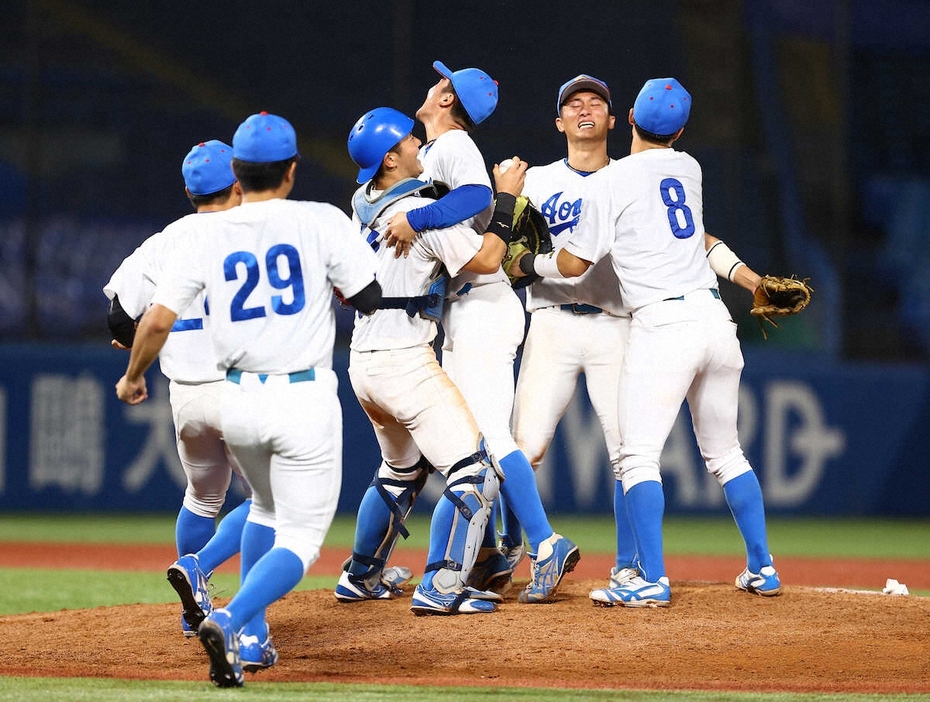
point(827, 438)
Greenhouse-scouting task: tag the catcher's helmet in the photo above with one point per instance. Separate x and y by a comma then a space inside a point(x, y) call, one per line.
point(376, 133)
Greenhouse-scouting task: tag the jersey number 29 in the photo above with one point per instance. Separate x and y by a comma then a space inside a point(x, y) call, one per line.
point(679, 214)
point(293, 279)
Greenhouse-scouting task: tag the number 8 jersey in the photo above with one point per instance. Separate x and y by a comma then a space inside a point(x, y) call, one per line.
point(268, 269)
point(650, 220)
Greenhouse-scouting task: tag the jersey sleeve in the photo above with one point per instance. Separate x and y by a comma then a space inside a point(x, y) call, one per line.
point(352, 264)
point(455, 246)
point(592, 239)
point(182, 276)
point(133, 281)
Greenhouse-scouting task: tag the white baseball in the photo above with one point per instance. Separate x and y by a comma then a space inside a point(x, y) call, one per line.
point(505, 164)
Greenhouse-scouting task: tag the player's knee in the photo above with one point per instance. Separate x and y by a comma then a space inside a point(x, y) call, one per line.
point(208, 505)
point(634, 474)
point(731, 465)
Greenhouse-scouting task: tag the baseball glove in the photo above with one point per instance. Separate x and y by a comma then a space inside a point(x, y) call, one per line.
point(777, 296)
point(530, 233)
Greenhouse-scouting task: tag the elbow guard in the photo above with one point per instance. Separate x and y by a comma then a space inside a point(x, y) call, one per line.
point(122, 326)
point(368, 299)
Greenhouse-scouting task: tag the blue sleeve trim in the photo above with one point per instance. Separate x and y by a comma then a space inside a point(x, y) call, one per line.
point(458, 205)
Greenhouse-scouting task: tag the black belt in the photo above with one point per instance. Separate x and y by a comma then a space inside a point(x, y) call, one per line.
point(579, 308)
point(713, 292)
point(234, 375)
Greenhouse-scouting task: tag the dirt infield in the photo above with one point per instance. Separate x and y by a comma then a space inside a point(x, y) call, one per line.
point(712, 637)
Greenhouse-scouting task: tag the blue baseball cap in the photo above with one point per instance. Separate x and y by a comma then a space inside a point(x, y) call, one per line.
point(662, 106)
point(376, 132)
point(475, 88)
point(264, 138)
point(207, 168)
point(583, 82)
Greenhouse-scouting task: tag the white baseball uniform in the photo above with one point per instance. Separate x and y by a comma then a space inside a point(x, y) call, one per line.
point(483, 319)
point(682, 342)
point(577, 324)
point(268, 269)
point(186, 360)
point(413, 405)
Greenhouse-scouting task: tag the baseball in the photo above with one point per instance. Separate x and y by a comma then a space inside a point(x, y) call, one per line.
point(505, 164)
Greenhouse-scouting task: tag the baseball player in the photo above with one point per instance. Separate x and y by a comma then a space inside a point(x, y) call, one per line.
point(195, 385)
point(682, 342)
point(576, 326)
point(483, 323)
point(268, 268)
point(420, 418)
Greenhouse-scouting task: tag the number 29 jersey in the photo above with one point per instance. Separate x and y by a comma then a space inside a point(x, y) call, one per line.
point(649, 218)
point(268, 269)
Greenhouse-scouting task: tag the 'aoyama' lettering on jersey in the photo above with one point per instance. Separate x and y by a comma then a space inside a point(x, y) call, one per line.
point(186, 356)
point(559, 193)
point(268, 269)
point(651, 223)
point(454, 159)
point(408, 277)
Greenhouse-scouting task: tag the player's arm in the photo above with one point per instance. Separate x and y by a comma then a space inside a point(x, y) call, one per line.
point(558, 264)
point(500, 228)
point(727, 264)
point(150, 337)
point(464, 202)
point(368, 299)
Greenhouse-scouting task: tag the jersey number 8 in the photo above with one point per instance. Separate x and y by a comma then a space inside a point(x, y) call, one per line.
point(293, 279)
point(677, 209)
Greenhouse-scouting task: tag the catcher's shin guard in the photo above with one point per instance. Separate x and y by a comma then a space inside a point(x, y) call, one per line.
point(382, 520)
point(459, 521)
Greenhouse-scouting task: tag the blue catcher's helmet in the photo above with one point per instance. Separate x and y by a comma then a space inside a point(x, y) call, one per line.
point(376, 133)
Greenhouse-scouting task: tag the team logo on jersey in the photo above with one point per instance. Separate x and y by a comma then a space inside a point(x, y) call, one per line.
point(561, 215)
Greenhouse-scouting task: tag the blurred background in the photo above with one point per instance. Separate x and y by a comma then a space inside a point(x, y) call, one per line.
point(811, 120)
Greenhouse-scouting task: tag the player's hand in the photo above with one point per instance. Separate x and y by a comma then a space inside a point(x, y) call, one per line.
point(399, 234)
point(117, 345)
point(132, 393)
point(511, 181)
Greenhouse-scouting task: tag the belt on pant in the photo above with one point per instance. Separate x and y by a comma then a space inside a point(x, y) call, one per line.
point(682, 297)
point(234, 375)
point(579, 308)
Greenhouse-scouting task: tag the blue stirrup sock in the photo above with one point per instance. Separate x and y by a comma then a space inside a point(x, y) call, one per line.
point(645, 504)
point(371, 527)
point(522, 496)
point(626, 543)
point(192, 532)
point(511, 529)
point(227, 540)
point(273, 576)
point(744, 498)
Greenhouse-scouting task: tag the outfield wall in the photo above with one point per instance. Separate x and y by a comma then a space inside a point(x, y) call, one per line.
point(825, 438)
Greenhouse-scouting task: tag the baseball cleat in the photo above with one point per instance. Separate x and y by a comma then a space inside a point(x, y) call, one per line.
point(637, 592)
point(513, 554)
point(766, 583)
point(621, 576)
point(191, 584)
point(556, 557)
point(222, 645)
point(491, 572)
point(255, 655)
point(354, 588)
point(466, 601)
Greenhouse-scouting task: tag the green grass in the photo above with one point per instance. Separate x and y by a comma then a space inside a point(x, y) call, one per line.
point(96, 690)
point(32, 590)
point(835, 538)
